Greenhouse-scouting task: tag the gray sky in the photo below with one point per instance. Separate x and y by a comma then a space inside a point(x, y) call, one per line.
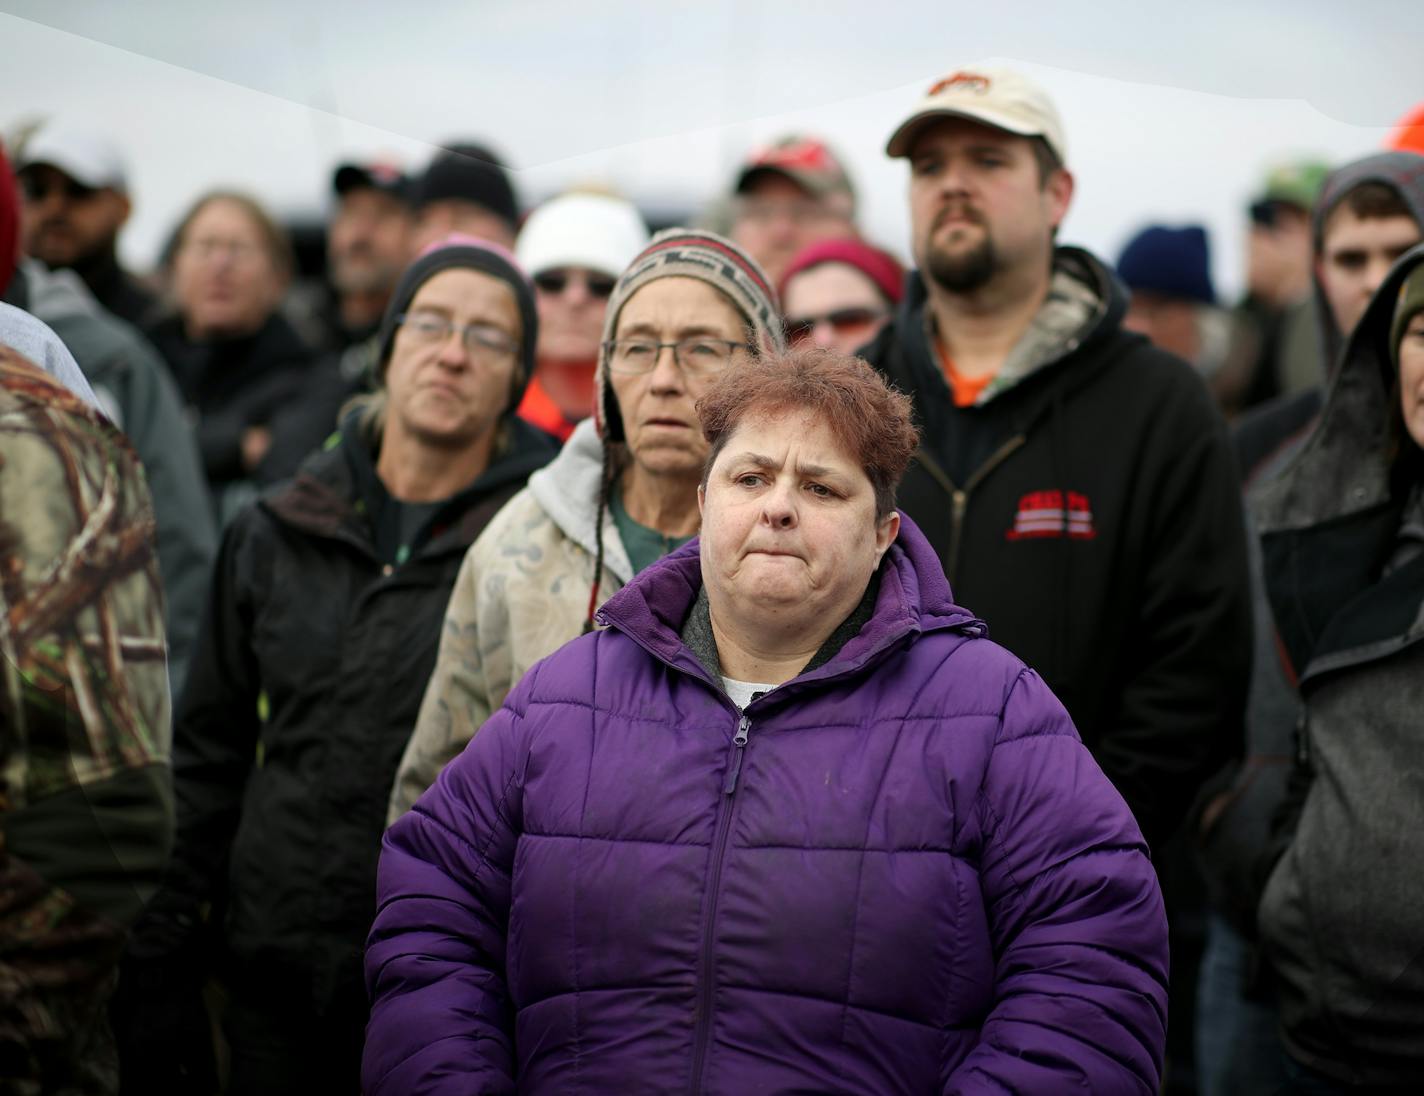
point(1173, 110)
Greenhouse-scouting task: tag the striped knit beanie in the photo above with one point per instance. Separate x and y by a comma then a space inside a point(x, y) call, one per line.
point(685, 253)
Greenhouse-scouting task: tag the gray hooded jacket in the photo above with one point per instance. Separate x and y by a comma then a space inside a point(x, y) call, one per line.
point(1340, 920)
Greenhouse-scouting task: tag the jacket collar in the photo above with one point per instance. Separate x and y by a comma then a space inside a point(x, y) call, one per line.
point(338, 494)
point(1085, 303)
point(914, 598)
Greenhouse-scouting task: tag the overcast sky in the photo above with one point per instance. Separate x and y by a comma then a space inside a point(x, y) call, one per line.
point(1173, 110)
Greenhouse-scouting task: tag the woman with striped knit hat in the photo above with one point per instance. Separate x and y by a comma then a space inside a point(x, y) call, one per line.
point(620, 495)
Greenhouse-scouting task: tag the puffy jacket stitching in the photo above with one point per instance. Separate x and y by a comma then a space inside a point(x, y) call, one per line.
point(572, 702)
point(574, 889)
point(1102, 1047)
point(418, 1051)
point(982, 798)
point(480, 853)
point(929, 850)
point(743, 987)
point(859, 892)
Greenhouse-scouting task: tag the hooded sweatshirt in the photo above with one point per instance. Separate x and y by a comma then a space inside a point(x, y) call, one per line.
point(1260, 433)
point(1086, 507)
point(1340, 917)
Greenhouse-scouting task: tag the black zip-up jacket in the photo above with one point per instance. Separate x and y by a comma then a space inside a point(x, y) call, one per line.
point(1132, 599)
point(300, 698)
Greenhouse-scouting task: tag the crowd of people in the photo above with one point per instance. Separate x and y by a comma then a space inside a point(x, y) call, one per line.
point(717, 658)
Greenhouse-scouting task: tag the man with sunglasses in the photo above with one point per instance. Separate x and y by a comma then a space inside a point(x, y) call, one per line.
point(75, 201)
point(574, 247)
point(324, 620)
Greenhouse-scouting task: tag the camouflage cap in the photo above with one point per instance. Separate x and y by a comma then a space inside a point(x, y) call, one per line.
point(1296, 183)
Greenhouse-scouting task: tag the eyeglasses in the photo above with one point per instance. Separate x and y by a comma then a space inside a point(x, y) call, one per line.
point(213, 247)
point(482, 341)
point(38, 187)
point(554, 282)
point(696, 355)
point(842, 320)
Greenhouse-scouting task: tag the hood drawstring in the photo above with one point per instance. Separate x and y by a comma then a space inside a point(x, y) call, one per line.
point(605, 490)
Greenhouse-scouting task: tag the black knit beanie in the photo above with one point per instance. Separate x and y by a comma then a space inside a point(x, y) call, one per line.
point(470, 173)
point(469, 253)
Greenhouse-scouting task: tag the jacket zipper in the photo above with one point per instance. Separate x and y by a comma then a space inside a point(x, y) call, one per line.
point(720, 834)
point(959, 496)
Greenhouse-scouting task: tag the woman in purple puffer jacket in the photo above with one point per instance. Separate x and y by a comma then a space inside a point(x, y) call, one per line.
point(789, 823)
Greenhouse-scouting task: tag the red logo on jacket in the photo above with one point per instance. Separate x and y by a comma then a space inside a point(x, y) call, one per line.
point(1041, 514)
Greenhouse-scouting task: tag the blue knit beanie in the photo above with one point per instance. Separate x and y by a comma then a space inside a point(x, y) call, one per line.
point(1173, 262)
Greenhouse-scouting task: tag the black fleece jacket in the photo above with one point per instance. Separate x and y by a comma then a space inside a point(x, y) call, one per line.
point(1132, 601)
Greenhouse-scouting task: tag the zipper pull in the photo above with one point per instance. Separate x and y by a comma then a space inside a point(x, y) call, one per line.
point(739, 740)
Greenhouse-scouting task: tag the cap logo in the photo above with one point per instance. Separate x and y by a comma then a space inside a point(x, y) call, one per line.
point(807, 155)
point(963, 81)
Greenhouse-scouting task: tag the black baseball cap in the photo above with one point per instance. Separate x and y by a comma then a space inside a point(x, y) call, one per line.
point(380, 175)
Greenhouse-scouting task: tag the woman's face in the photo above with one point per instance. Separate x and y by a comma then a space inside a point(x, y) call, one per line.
point(835, 306)
point(224, 277)
point(659, 407)
point(788, 522)
point(1411, 378)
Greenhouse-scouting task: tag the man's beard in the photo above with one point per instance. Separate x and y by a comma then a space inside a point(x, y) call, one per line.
point(363, 273)
point(963, 271)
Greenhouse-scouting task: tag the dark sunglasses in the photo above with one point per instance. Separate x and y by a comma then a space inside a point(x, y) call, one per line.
point(799, 328)
point(37, 188)
point(554, 282)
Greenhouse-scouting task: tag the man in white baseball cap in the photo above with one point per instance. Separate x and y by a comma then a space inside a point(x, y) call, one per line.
point(1077, 481)
point(75, 201)
point(574, 247)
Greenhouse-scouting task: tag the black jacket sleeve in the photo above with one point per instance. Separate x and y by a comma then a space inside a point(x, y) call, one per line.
point(1181, 714)
point(215, 736)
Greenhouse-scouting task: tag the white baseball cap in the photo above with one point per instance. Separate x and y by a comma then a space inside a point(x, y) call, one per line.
point(595, 231)
point(90, 159)
point(995, 96)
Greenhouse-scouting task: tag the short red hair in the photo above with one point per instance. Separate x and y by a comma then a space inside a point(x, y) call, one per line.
point(868, 416)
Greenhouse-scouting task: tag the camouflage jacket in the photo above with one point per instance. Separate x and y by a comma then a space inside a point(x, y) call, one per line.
point(86, 811)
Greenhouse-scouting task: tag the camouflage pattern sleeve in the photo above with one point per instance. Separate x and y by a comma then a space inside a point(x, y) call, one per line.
point(86, 807)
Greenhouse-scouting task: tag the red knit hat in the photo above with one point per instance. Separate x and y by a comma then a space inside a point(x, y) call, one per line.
point(879, 266)
point(9, 223)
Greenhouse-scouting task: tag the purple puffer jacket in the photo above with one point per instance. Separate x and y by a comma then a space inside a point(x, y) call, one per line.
point(912, 877)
